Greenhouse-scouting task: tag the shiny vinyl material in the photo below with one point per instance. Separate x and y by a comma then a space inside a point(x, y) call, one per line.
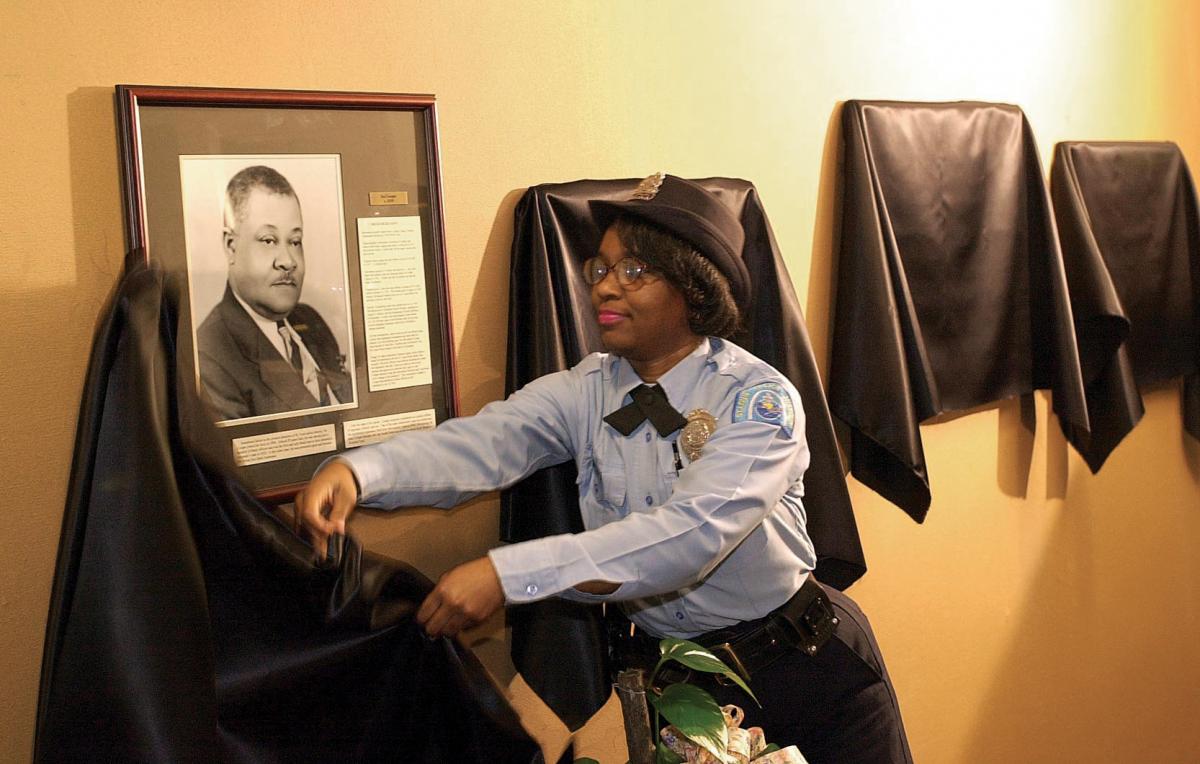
point(187, 623)
point(1130, 232)
point(951, 291)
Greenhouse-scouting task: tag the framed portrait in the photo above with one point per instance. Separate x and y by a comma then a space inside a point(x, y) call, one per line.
point(307, 230)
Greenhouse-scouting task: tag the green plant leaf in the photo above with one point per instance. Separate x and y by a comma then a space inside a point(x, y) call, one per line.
point(771, 748)
point(696, 715)
point(664, 755)
point(698, 658)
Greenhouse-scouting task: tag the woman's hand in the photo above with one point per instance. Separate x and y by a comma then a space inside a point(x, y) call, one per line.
point(463, 597)
point(325, 503)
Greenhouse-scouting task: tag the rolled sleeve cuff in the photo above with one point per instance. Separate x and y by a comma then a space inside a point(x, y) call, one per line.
point(371, 469)
point(534, 570)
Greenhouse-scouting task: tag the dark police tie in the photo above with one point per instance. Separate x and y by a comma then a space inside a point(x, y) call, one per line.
point(649, 402)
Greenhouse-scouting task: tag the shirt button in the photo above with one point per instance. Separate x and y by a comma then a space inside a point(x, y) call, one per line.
point(647, 437)
point(678, 616)
point(649, 500)
point(531, 590)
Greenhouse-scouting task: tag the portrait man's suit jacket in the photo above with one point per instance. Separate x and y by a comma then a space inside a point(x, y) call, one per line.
point(243, 373)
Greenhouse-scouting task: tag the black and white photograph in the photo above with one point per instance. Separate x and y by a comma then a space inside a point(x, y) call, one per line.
point(267, 273)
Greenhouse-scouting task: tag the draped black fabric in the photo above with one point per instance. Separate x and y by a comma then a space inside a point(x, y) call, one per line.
point(1130, 232)
point(558, 646)
point(951, 292)
point(188, 624)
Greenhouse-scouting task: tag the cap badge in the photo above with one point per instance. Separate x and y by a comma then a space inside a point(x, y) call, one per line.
point(648, 188)
point(700, 425)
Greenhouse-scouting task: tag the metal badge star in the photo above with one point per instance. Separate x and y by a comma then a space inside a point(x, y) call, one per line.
point(696, 432)
point(648, 188)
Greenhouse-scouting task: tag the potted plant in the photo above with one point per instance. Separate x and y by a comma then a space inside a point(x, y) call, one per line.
point(698, 729)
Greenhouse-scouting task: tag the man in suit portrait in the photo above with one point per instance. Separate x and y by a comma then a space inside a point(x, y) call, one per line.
point(262, 351)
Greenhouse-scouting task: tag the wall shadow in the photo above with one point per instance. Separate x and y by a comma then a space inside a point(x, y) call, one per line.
point(96, 208)
point(822, 267)
point(1191, 451)
point(1016, 427)
point(485, 331)
point(1101, 663)
point(1191, 446)
point(1057, 459)
point(827, 226)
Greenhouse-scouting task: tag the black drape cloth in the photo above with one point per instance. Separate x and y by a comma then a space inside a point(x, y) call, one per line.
point(187, 623)
point(951, 292)
point(1128, 223)
point(558, 646)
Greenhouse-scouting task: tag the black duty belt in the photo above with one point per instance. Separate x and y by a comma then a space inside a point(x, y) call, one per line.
point(805, 623)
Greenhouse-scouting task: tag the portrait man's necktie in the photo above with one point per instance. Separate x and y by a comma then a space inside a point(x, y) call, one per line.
point(649, 402)
point(316, 385)
point(292, 347)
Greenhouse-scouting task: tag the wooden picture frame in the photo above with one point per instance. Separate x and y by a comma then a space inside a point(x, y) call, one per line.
point(307, 229)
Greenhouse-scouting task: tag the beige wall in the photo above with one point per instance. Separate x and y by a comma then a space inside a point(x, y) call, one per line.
point(1048, 619)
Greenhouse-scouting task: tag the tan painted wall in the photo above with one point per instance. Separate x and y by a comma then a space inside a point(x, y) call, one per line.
point(1053, 619)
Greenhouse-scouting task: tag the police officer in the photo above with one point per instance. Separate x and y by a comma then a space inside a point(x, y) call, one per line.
point(691, 455)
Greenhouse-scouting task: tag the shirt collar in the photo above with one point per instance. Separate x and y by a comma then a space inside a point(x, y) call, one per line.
point(677, 383)
point(268, 326)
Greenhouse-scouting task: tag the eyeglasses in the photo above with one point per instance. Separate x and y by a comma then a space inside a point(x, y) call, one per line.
point(629, 271)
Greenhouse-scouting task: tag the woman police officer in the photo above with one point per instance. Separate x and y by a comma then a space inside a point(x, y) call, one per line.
point(694, 523)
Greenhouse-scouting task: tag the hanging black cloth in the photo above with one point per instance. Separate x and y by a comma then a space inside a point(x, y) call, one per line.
point(558, 646)
point(951, 292)
point(1130, 232)
point(188, 624)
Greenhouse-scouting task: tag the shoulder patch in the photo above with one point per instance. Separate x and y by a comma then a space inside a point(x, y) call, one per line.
point(767, 402)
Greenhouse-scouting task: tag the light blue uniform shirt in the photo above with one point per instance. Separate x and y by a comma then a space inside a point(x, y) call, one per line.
point(719, 541)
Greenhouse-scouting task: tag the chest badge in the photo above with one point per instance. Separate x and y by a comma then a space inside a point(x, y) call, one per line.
point(700, 425)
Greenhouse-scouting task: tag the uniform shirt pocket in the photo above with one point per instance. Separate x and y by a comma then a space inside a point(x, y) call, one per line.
point(670, 466)
point(608, 476)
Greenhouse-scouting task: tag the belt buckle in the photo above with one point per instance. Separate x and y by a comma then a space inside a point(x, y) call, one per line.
point(733, 661)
